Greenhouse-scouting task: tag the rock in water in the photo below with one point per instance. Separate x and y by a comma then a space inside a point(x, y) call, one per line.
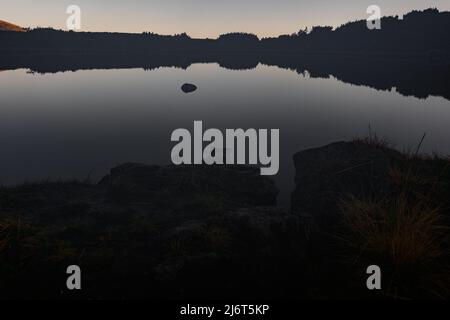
point(188, 87)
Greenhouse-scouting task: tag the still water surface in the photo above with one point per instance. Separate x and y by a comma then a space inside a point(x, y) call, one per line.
point(79, 124)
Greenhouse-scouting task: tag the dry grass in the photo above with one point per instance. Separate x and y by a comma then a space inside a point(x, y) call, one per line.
point(22, 244)
point(402, 234)
point(217, 238)
point(10, 233)
point(373, 140)
point(407, 234)
point(17, 241)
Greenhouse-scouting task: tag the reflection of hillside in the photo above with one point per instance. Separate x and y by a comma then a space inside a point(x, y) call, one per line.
point(418, 76)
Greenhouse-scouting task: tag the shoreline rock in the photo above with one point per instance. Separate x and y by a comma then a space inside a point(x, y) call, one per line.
point(328, 174)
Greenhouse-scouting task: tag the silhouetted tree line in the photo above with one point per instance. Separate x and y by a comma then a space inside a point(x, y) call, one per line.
point(244, 41)
point(417, 32)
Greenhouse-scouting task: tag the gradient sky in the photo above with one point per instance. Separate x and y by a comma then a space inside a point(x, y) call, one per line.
point(203, 18)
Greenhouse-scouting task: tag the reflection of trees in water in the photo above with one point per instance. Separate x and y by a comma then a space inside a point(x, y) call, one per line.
point(417, 76)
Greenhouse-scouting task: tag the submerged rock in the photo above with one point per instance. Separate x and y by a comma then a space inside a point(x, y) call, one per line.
point(188, 87)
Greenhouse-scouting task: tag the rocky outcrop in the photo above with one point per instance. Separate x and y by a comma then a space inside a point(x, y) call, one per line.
point(240, 185)
point(202, 231)
point(326, 175)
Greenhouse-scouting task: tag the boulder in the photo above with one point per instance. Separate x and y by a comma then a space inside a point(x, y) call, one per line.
point(188, 87)
point(327, 175)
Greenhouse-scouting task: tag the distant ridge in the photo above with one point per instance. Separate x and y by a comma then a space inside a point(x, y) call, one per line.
point(6, 26)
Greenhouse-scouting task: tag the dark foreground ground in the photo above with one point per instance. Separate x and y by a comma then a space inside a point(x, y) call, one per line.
point(215, 232)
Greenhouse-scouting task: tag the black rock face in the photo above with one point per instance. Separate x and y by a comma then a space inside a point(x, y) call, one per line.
point(188, 88)
point(326, 175)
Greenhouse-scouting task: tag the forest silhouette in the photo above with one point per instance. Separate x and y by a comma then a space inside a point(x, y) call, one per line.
point(416, 32)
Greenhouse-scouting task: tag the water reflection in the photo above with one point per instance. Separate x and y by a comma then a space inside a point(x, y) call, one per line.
point(79, 124)
point(411, 75)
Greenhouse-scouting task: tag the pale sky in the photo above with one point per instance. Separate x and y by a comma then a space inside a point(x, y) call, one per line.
point(203, 18)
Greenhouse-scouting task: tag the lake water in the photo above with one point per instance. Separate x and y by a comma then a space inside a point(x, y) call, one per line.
point(80, 124)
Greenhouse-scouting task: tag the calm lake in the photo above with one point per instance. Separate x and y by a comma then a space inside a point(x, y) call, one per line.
point(80, 124)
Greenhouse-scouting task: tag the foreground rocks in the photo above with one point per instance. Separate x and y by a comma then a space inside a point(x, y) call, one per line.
point(148, 231)
point(326, 175)
point(156, 231)
point(239, 185)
